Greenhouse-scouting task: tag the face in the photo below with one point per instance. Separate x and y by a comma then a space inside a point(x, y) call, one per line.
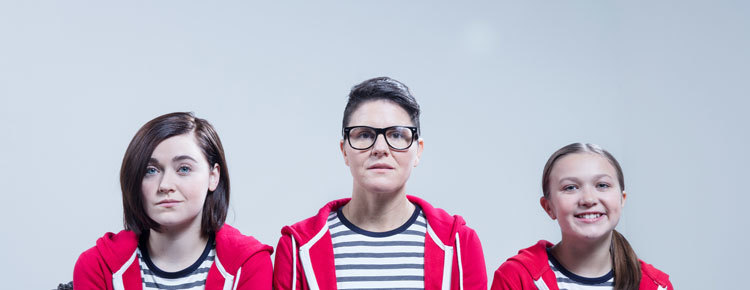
point(585, 196)
point(381, 169)
point(177, 181)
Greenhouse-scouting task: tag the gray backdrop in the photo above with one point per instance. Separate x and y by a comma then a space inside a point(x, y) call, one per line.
point(661, 84)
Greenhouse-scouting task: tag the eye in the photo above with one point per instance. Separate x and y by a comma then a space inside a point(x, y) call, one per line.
point(395, 135)
point(602, 185)
point(364, 135)
point(184, 169)
point(570, 187)
point(151, 170)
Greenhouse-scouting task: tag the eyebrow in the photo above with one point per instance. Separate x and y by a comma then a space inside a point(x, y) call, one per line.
point(575, 179)
point(184, 157)
point(153, 161)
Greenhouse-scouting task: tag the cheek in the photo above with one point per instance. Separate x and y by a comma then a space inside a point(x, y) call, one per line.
point(196, 187)
point(149, 187)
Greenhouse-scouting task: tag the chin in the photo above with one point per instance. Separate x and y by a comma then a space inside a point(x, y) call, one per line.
point(383, 188)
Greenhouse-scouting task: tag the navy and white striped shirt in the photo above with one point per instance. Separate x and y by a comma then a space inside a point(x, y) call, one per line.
point(568, 280)
point(190, 278)
point(378, 260)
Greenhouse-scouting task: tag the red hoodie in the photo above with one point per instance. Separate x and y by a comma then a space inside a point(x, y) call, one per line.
point(523, 271)
point(453, 256)
point(241, 263)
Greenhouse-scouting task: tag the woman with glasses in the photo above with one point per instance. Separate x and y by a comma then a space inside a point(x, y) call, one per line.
point(380, 238)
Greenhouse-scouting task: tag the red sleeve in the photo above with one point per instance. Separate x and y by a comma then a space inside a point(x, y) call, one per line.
point(472, 261)
point(282, 271)
point(89, 271)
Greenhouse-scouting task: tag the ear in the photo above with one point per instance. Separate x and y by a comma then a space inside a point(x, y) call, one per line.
point(547, 206)
point(343, 152)
point(420, 148)
point(624, 196)
point(213, 177)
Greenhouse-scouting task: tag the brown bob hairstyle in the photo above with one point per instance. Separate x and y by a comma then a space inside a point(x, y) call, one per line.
point(136, 160)
point(625, 263)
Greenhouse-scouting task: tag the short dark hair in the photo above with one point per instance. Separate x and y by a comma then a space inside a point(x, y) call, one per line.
point(382, 88)
point(136, 160)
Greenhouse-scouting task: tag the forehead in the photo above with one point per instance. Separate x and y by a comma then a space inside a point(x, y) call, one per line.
point(184, 144)
point(380, 114)
point(582, 166)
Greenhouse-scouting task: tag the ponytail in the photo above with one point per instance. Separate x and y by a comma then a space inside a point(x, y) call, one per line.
point(625, 264)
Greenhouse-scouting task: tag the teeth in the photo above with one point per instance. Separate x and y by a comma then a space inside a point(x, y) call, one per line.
point(590, 215)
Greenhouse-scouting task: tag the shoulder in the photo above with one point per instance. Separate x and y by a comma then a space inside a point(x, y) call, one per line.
point(511, 271)
point(108, 255)
point(231, 240)
point(531, 261)
point(650, 273)
point(89, 259)
point(234, 249)
point(306, 229)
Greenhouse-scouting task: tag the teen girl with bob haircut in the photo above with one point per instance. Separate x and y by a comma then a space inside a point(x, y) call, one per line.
point(584, 190)
point(380, 238)
point(175, 194)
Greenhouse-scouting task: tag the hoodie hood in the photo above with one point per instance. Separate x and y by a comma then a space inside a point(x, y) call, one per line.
point(441, 223)
point(453, 257)
point(117, 249)
point(232, 248)
point(534, 260)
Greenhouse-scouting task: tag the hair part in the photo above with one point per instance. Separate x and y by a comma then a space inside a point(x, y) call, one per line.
point(136, 160)
point(382, 88)
point(625, 263)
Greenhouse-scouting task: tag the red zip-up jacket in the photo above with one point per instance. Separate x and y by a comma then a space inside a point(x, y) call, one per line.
point(241, 263)
point(530, 270)
point(453, 257)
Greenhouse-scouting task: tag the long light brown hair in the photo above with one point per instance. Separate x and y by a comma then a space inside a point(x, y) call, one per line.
point(625, 264)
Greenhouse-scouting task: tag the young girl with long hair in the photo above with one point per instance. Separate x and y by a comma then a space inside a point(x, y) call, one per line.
point(380, 238)
point(175, 195)
point(584, 190)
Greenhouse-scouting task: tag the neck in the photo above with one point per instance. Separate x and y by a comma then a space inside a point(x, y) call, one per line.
point(587, 258)
point(378, 212)
point(176, 248)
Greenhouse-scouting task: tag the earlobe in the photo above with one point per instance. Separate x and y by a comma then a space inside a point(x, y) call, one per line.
point(624, 197)
point(420, 148)
point(544, 202)
point(343, 152)
point(213, 180)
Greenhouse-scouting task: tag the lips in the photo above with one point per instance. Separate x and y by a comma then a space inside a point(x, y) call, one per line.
point(168, 202)
point(380, 166)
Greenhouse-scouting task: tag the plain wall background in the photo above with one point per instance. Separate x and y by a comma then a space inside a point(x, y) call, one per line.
point(661, 84)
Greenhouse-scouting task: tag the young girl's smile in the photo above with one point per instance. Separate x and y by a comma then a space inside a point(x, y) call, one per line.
point(585, 196)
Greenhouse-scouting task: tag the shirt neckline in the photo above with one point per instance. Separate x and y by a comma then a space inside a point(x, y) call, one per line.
point(398, 230)
point(143, 247)
point(577, 278)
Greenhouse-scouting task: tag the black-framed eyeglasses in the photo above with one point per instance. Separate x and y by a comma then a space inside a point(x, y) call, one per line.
point(397, 137)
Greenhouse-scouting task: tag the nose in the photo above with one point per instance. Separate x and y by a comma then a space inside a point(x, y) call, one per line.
point(588, 199)
point(166, 185)
point(381, 146)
